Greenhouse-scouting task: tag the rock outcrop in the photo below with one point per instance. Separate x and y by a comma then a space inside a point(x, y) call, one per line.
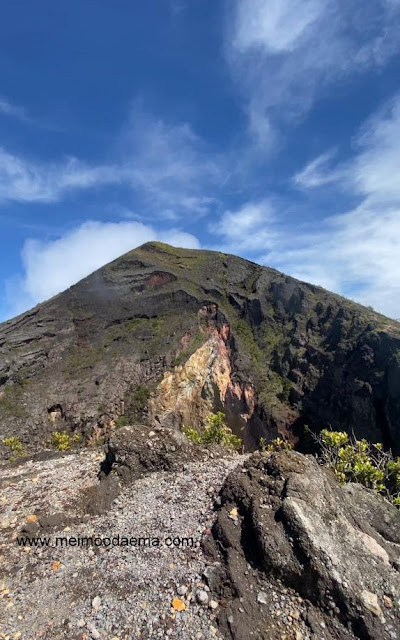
point(133, 451)
point(285, 520)
point(164, 336)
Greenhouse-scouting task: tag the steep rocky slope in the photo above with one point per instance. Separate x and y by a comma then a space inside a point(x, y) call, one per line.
point(165, 335)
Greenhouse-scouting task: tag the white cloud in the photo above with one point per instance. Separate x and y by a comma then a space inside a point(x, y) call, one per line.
point(375, 169)
point(275, 25)
point(317, 173)
point(164, 164)
point(52, 266)
point(249, 228)
point(12, 110)
point(23, 180)
point(355, 253)
point(284, 53)
point(169, 164)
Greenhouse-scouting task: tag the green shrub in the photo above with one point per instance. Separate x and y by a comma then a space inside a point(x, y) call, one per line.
point(60, 440)
point(286, 389)
point(193, 434)
point(140, 398)
point(215, 431)
point(136, 401)
point(15, 446)
point(278, 444)
point(194, 344)
point(121, 421)
point(353, 460)
point(11, 400)
point(393, 467)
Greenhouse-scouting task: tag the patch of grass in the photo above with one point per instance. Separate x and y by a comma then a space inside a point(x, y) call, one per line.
point(139, 398)
point(274, 389)
point(141, 330)
point(81, 358)
point(245, 336)
point(193, 345)
point(15, 446)
point(122, 421)
point(136, 401)
point(286, 389)
point(11, 400)
point(274, 338)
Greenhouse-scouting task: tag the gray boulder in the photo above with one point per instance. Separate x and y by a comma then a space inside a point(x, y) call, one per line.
point(284, 520)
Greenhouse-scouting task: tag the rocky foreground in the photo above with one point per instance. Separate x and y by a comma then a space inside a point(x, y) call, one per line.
point(279, 550)
point(116, 591)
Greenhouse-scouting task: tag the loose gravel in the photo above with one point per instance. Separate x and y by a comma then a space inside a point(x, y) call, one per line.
point(108, 592)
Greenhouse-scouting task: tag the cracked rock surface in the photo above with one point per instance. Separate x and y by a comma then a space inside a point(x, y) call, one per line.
point(287, 531)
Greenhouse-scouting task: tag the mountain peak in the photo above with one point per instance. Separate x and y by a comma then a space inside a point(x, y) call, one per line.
point(191, 332)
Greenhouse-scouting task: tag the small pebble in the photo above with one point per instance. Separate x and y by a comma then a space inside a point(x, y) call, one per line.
point(202, 596)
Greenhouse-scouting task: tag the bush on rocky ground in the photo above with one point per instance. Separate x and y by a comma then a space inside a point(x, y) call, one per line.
point(62, 441)
point(215, 431)
point(278, 444)
point(367, 463)
point(14, 446)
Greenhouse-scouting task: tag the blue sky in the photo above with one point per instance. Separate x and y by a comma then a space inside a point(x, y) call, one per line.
point(269, 129)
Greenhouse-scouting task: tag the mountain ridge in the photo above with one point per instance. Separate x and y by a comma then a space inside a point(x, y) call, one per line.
point(199, 331)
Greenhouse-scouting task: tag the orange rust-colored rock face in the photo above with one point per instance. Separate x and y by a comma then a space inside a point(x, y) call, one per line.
point(203, 384)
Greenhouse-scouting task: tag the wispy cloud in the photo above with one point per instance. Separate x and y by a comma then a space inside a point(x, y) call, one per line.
point(354, 253)
point(374, 170)
point(318, 172)
point(52, 266)
point(283, 53)
point(13, 111)
point(252, 227)
point(25, 180)
point(165, 164)
point(169, 164)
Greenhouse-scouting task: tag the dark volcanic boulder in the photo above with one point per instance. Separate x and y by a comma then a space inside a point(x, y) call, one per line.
point(135, 450)
point(285, 520)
